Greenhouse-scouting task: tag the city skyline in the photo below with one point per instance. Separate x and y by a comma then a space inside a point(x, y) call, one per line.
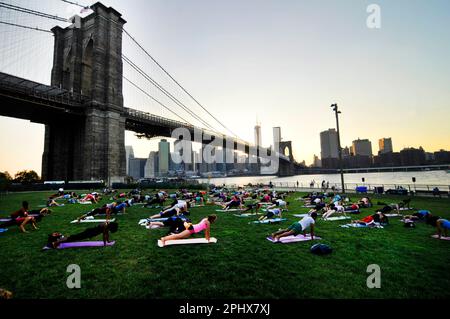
point(387, 82)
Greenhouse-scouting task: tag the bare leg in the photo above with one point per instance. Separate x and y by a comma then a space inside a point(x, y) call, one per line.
point(183, 234)
point(284, 234)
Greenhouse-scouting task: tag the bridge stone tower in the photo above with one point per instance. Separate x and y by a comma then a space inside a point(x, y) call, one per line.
point(88, 61)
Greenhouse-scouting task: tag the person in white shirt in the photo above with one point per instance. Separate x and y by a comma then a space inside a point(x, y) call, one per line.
point(278, 203)
point(297, 228)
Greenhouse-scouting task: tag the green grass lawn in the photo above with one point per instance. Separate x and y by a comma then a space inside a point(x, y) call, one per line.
point(243, 264)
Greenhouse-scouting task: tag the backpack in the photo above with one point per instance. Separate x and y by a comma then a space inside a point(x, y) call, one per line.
point(321, 249)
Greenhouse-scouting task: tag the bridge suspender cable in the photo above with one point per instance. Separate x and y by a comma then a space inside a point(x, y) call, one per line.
point(25, 27)
point(168, 94)
point(33, 12)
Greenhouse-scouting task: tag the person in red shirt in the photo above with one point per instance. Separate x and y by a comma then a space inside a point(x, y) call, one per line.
point(21, 217)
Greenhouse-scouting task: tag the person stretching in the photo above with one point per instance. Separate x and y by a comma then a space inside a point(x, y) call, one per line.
point(21, 218)
point(55, 239)
point(178, 209)
point(271, 213)
point(442, 225)
point(204, 225)
point(297, 228)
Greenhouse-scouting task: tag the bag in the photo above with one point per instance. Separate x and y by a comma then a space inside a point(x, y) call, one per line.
point(321, 249)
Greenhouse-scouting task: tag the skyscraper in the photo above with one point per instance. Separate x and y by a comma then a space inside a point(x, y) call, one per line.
point(129, 153)
point(151, 166)
point(329, 148)
point(329, 144)
point(163, 157)
point(276, 137)
point(385, 145)
point(362, 147)
point(258, 135)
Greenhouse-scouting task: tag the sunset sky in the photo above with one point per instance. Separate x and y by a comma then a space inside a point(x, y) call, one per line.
point(281, 62)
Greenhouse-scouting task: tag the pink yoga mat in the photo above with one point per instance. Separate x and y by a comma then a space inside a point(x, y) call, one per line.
point(82, 244)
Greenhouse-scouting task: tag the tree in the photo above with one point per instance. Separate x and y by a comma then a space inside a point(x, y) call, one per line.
point(26, 177)
point(5, 180)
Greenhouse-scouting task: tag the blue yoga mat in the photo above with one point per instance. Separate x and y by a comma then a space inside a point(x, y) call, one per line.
point(3, 230)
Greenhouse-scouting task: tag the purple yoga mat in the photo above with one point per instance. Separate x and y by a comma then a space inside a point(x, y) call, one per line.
point(294, 239)
point(2, 220)
point(82, 244)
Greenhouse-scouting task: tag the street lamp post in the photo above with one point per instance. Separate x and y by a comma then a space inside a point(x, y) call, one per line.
point(337, 112)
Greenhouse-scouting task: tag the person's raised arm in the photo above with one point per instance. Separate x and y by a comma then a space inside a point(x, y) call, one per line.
point(312, 231)
point(439, 229)
point(105, 234)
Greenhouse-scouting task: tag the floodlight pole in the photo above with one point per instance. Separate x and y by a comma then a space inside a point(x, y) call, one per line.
point(337, 112)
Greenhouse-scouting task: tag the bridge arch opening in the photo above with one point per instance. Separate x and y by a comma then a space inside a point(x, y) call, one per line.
point(87, 66)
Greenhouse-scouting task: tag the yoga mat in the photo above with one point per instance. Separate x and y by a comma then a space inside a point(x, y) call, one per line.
point(393, 215)
point(269, 221)
point(153, 226)
point(85, 203)
point(229, 210)
point(359, 226)
point(293, 239)
point(81, 244)
point(3, 230)
point(309, 206)
point(405, 208)
point(331, 219)
point(245, 215)
point(212, 240)
point(3, 220)
point(442, 237)
point(83, 221)
point(355, 211)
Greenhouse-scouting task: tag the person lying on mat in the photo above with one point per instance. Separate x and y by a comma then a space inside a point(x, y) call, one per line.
point(332, 209)
point(272, 213)
point(370, 220)
point(297, 228)
point(178, 209)
point(235, 202)
point(204, 225)
point(420, 215)
point(21, 218)
point(442, 225)
point(175, 224)
point(278, 203)
point(55, 239)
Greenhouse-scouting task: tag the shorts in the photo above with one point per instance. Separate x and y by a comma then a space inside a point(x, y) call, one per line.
point(170, 213)
point(296, 228)
point(270, 214)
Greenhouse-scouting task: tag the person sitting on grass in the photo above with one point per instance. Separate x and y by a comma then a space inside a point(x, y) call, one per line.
point(55, 239)
point(373, 220)
point(442, 225)
point(180, 208)
point(22, 218)
point(297, 228)
point(204, 225)
point(272, 213)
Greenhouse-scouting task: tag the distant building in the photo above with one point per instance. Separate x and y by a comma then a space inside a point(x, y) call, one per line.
point(442, 157)
point(129, 153)
point(385, 145)
point(137, 167)
point(276, 138)
point(151, 166)
point(329, 148)
point(412, 157)
point(316, 161)
point(258, 139)
point(362, 147)
point(163, 157)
